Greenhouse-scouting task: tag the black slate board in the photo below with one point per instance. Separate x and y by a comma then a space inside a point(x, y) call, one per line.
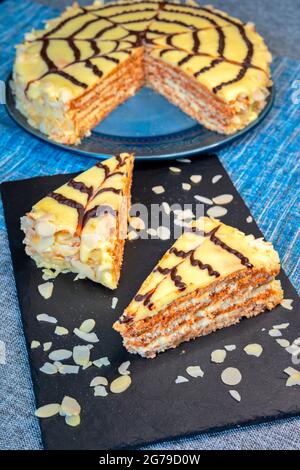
point(154, 407)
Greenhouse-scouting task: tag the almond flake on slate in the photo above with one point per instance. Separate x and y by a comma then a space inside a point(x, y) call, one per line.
point(282, 326)
point(230, 347)
point(183, 160)
point(114, 302)
point(218, 356)
point(216, 211)
point(294, 379)
point(163, 233)
point(253, 349)
point(195, 371)
point(284, 343)
point(166, 207)
point(72, 420)
point(60, 355)
point(120, 384)
point(196, 179)
point(181, 223)
point(123, 368)
point(174, 169)
point(132, 235)
point(46, 289)
point(87, 365)
point(100, 391)
point(47, 411)
point(186, 186)
point(152, 232)
point(287, 304)
point(88, 325)
point(35, 344)
point(103, 361)
point(231, 376)
point(70, 406)
point(292, 349)
point(68, 369)
point(48, 368)
point(88, 337)
point(61, 331)
point(249, 219)
point(216, 178)
point(184, 214)
point(49, 274)
point(274, 333)
point(291, 371)
point(47, 318)
point(81, 355)
point(180, 379)
point(235, 394)
point(223, 199)
point(203, 199)
point(47, 346)
point(158, 189)
point(99, 380)
point(137, 223)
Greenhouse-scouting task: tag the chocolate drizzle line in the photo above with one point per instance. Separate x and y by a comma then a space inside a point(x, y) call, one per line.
point(70, 203)
point(83, 188)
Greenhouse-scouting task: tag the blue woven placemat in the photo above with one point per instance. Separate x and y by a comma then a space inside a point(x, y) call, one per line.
point(264, 167)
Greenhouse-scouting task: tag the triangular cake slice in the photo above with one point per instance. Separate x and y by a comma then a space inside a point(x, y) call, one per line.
point(82, 226)
point(211, 277)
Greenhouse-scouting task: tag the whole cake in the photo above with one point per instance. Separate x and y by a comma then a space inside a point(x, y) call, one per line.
point(73, 73)
point(212, 277)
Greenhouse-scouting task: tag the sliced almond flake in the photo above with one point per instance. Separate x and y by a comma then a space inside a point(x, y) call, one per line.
point(216, 178)
point(249, 219)
point(287, 304)
point(99, 380)
point(180, 379)
point(282, 326)
point(68, 369)
point(163, 233)
point(88, 337)
point(253, 349)
point(103, 361)
point(196, 179)
point(47, 411)
point(114, 302)
point(60, 354)
point(166, 207)
point(120, 384)
point(184, 214)
point(61, 331)
point(47, 346)
point(230, 347)
point(216, 211)
point(72, 420)
point(223, 199)
point(123, 368)
point(87, 325)
point(152, 232)
point(137, 223)
point(100, 391)
point(158, 189)
point(46, 289)
point(235, 394)
point(284, 343)
point(70, 406)
point(218, 356)
point(81, 355)
point(231, 376)
point(35, 344)
point(132, 235)
point(47, 318)
point(86, 366)
point(182, 223)
point(274, 333)
point(186, 186)
point(195, 371)
point(291, 371)
point(292, 349)
point(48, 368)
point(49, 274)
point(183, 160)
point(174, 169)
point(204, 200)
point(294, 379)
point(297, 341)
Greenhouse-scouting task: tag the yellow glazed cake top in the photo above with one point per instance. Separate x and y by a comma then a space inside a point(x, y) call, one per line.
point(85, 44)
point(209, 252)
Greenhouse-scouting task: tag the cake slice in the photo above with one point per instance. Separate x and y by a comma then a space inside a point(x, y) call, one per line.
point(213, 276)
point(82, 226)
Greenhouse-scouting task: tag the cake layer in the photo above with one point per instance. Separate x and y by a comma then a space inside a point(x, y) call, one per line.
point(81, 227)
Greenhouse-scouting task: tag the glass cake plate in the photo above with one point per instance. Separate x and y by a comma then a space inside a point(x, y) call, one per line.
point(146, 124)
